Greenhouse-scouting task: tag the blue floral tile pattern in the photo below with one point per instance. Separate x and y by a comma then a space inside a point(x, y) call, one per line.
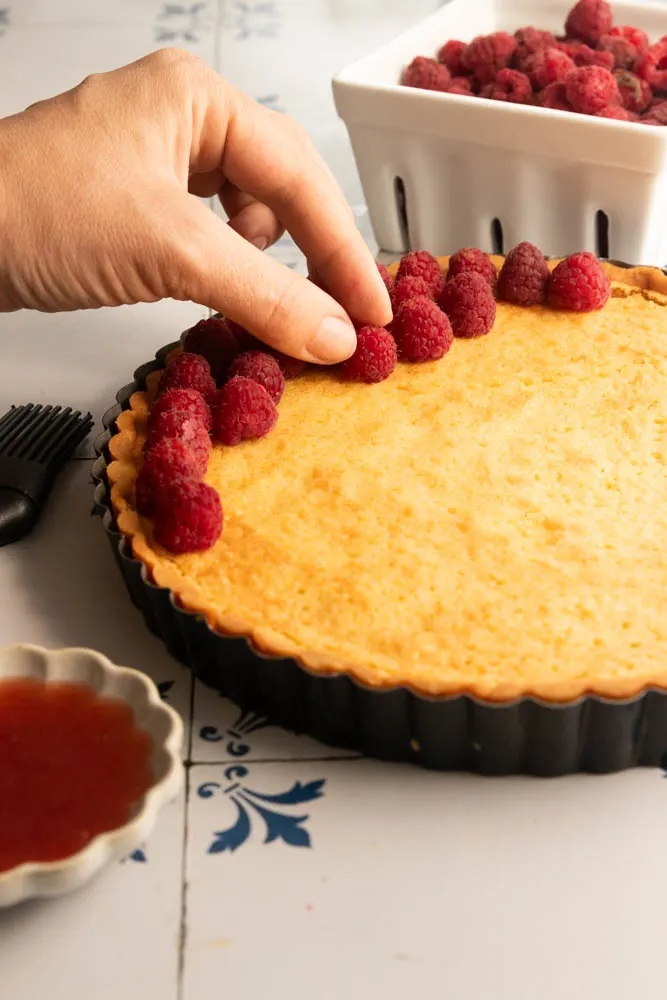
point(183, 22)
point(271, 809)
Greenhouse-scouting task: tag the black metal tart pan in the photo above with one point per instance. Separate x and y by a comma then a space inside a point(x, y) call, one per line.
point(527, 736)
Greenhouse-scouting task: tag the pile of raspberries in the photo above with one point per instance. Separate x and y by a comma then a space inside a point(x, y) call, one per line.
point(594, 68)
point(226, 386)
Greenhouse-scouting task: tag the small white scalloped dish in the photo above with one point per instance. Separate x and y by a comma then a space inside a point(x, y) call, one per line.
point(163, 725)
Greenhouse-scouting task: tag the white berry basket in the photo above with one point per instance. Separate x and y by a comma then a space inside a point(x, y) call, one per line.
point(442, 171)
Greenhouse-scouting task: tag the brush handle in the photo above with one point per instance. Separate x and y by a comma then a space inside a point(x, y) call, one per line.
point(18, 514)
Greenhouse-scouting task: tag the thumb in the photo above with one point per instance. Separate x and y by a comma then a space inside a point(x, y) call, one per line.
point(215, 267)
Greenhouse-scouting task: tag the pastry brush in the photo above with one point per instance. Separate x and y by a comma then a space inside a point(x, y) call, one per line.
point(35, 442)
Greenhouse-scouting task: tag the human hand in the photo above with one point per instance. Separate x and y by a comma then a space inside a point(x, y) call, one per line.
point(98, 209)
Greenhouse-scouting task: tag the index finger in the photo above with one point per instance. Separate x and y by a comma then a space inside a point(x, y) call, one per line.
point(270, 157)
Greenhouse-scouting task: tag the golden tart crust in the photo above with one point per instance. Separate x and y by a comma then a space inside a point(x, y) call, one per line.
point(494, 523)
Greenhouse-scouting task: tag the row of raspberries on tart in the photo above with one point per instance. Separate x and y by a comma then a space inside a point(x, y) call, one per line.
point(594, 68)
point(223, 387)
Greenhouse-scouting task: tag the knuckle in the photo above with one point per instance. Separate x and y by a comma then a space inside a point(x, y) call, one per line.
point(172, 56)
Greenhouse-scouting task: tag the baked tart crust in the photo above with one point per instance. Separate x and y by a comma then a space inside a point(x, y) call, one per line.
point(407, 563)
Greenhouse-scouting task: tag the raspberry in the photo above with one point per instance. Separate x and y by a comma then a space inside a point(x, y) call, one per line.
point(190, 430)
point(426, 74)
point(589, 89)
point(422, 264)
point(461, 90)
point(487, 54)
point(512, 86)
point(242, 410)
point(247, 341)
point(531, 40)
point(469, 303)
point(422, 331)
point(579, 284)
point(407, 288)
point(635, 93)
point(657, 114)
point(187, 401)
point(549, 66)
point(588, 20)
point(290, 367)
point(169, 461)
point(554, 97)
point(188, 517)
point(261, 368)
point(452, 56)
point(375, 357)
point(614, 111)
point(524, 277)
point(387, 278)
point(624, 52)
point(635, 36)
point(584, 55)
point(213, 339)
point(652, 67)
point(472, 259)
point(188, 371)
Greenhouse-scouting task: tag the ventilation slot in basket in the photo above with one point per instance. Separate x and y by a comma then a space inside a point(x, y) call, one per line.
point(402, 209)
point(602, 233)
point(497, 237)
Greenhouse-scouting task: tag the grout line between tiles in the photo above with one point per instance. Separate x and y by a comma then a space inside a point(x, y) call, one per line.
point(183, 928)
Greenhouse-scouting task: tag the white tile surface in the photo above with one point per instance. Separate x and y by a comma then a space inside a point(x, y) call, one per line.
point(430, 885)
point(117, 937)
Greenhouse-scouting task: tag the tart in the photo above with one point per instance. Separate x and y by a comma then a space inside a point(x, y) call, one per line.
point(493, 524)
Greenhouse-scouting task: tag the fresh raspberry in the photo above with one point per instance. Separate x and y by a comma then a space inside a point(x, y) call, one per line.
point(421, 330)
point(262, 368)
point(452, 56)
point(657, 114)
point(530, 40)
point(588, 20)
point(242, 410)
point(375, 357)
point(589, 89)
point(190, 430)
point(511, 86)
point(187, 401)
point(579, 284)
point(524, 277)
point(290, 367)
point(652, 67)
point(469, 303)
point(387, 278)
point(426, 74)
point(188, 371)
point(213, 339)
point(549, 66)
point(624, 52)
point(616, 112)
point(635, 93)
point(635, 36)
point(422, 264)
point(584, 55)
point(488, 54)
point(247, 341)
point(407, 288)
point(188, 517)
point(554, 97)
point(461, 91)
point(169, 461)
point(472, 259)
point(461, 84)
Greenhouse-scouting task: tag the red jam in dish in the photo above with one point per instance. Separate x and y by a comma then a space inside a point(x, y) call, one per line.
point(72, 765)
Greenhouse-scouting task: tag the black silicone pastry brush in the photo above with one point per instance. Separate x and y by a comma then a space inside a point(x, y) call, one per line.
point(35, 442)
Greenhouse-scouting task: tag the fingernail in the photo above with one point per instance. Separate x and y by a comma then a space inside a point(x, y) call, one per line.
point(334, 341)
point(260, 242)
